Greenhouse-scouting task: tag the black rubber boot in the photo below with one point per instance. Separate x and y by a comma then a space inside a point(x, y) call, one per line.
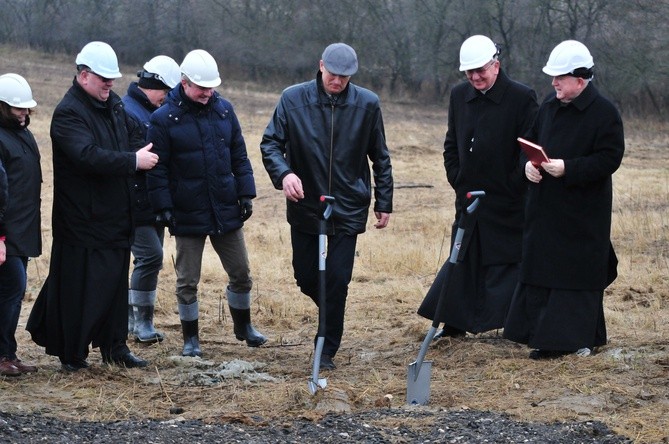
point(243, 329)
point(191, 339)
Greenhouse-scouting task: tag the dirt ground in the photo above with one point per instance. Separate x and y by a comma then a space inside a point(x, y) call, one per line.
point(622, 389)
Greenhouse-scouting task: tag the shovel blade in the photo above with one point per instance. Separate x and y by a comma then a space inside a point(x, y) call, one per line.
point(418, 383)
point(315, 385)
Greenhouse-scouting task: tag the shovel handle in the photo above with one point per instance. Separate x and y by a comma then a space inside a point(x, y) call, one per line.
point(423, 349)
point(329, 202)
point(456, 252)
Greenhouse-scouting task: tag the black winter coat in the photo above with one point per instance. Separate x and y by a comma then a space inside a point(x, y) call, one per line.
point(94, 160)
point(21, 159)
point(328, 146)
point(568, 219)
point(3, 198)
point(203, 167)
point(481, 153)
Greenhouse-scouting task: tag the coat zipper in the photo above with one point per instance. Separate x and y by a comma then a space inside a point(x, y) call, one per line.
point(332, 108)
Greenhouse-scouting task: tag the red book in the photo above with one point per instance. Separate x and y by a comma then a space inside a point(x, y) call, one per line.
point(534, 152)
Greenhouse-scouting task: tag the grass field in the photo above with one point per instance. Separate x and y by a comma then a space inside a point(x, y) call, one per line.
point(625, 385)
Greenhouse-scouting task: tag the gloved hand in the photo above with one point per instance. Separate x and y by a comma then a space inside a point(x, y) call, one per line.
point(166, 219)
point(245, 208)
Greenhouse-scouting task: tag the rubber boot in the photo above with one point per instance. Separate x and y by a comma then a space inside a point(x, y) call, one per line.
point(189, 325)
point(143, 303)
point(131, 316)
point(240, 310)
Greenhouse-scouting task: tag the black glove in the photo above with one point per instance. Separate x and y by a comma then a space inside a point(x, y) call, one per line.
point(245, 208)
point(166, 219)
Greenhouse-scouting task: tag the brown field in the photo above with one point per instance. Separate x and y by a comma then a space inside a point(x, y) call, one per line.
point(625, 385)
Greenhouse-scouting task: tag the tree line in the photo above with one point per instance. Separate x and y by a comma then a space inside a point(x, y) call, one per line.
point(408, 49)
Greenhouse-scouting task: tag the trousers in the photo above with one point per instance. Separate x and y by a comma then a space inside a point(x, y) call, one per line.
point(231, 250)
point(13, 280)
point(147, 249)
point(338, 272)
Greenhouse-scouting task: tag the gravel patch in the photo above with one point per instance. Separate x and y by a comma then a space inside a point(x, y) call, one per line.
point(379, 426)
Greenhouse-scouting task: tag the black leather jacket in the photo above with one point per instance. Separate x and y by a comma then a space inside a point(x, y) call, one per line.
point(328, 144)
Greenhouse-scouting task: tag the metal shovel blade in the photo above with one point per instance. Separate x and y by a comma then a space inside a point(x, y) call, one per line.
point(315, 385)
point(418, 383)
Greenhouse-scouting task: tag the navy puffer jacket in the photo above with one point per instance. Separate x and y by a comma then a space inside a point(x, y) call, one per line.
point(203, 168)
point(139, 107)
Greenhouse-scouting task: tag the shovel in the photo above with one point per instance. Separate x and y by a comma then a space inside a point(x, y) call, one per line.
point(419, 371)
point(315, 382)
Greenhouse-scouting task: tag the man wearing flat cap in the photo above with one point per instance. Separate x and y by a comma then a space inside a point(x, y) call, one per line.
point(320, 141)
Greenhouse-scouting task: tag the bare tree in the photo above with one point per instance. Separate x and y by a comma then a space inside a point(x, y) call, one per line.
point(406, 47)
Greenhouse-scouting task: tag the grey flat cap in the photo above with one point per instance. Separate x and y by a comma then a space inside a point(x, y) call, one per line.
point(340, 59)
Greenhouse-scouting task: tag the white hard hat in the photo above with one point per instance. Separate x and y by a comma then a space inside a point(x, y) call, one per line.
point(567, 57)
point(100, 58)
point(476, 51)
point(200, 68)
point(15, 91)
point(164, 69)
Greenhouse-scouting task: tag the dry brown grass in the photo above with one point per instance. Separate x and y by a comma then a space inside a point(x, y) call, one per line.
point(624, 385)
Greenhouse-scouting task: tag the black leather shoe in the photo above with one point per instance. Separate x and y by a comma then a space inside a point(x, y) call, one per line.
point(128, 360)
point(326, 363)
point(450, 332)
point(546, 354)
point(75, 365)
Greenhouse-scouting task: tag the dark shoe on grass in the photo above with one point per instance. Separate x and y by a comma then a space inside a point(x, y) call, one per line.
point(127, 360)
point(23, 367)
point(326, 363)
point(7, 368)
point(74, 365)
point(450, 332)
point(547, 354)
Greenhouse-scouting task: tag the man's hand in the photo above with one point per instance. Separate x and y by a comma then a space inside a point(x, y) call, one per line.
point(532, 173)
point(555, 167)
point(166, 219)
point(145, 158)
point(3, 252)
point(382, 219)
point(245, 208)
point(292, 187)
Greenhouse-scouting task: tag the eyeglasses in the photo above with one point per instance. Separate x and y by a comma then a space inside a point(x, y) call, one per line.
point(481, 70)
point(103, 79)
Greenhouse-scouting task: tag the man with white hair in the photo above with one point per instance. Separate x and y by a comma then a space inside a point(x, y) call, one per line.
point(487, 113)
point(97, 148)
point(568, 258)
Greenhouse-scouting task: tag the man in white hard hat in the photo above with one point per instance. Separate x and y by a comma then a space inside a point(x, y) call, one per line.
point(202, 188)
point(97, 148)
point(486, 114)
point(320, 141)
point(20, 221)
point(568, 258)
point(158, 76)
